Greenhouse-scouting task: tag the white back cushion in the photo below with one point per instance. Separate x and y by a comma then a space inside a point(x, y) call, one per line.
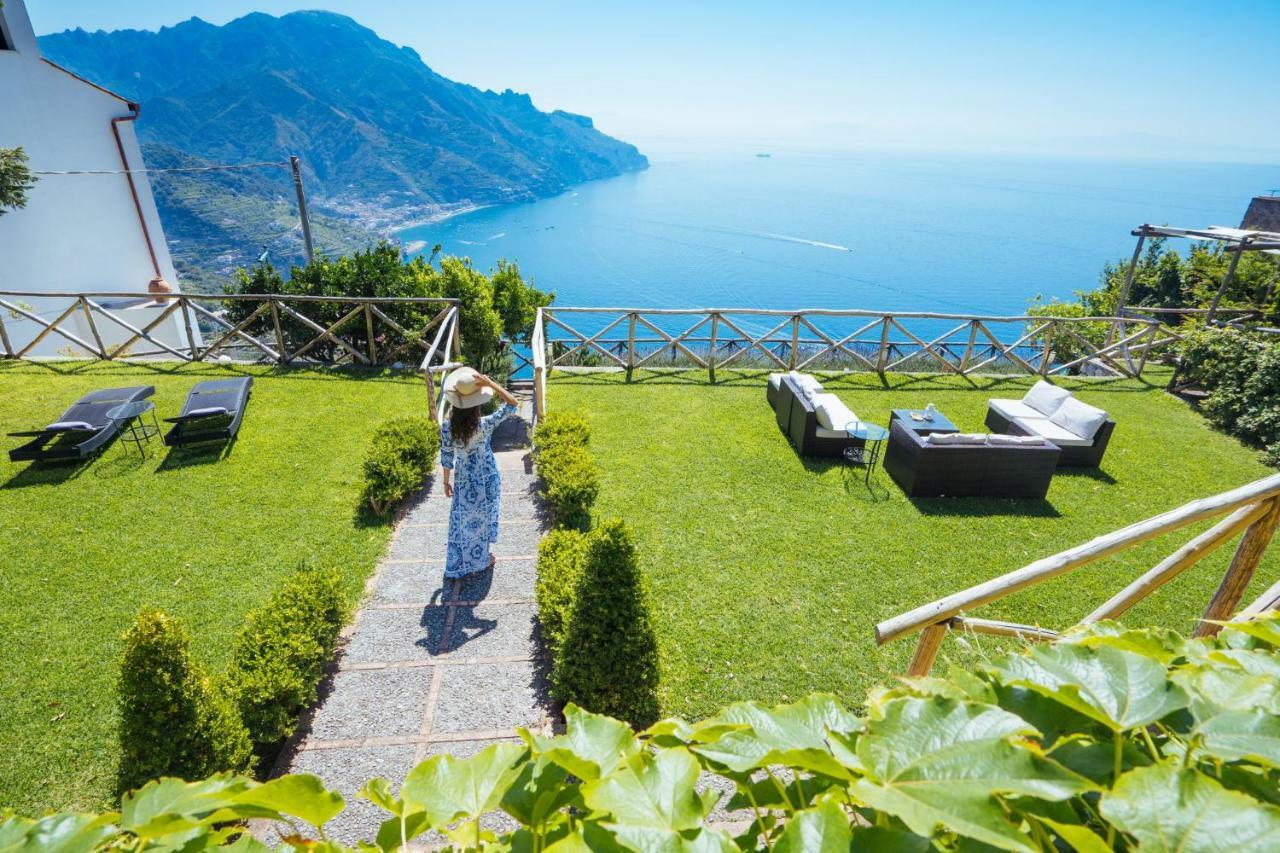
point(805, 382)
point(831, 411)
point(1045, 398)
point(956, 438)
point(996, 439)
point(1079, 418)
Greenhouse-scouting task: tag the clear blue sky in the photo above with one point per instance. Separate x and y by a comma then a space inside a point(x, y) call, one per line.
point(1182, 80)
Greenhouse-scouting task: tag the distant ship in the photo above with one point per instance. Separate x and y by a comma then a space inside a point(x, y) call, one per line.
point(764, 155)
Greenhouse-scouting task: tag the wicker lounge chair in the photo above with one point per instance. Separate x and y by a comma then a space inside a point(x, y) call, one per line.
point(213, 412)
point(81, 430)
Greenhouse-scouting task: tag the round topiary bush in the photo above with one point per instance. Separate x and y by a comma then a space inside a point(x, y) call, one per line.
point(560, 557)
point(401, 454)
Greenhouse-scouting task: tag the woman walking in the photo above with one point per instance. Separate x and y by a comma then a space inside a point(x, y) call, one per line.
point(471, 476)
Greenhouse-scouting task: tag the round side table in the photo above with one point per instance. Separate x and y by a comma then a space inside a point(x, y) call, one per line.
point(134, 428)
point(872, 436)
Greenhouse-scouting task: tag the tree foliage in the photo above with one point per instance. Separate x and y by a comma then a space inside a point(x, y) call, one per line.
point(16, 179)
point(492, 306)
point(1110, 739)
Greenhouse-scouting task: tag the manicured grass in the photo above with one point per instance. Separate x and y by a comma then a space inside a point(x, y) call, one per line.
point(769, 572)
point(202, 537)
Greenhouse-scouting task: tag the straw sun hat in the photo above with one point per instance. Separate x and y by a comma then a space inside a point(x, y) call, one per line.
point(463, 391)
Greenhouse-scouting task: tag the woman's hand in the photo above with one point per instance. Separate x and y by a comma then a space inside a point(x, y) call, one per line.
point(448, 490)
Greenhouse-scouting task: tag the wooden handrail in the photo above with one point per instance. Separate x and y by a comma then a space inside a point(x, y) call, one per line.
point(1252, 510)
point(1073, 558)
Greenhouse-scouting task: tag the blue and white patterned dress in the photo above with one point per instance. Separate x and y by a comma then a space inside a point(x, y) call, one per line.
point(473, 518)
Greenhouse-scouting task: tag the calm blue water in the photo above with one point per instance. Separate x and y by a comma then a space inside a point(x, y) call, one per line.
point(882, 232)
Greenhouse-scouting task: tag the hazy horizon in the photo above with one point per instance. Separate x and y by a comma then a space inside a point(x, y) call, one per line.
point(1143, 80)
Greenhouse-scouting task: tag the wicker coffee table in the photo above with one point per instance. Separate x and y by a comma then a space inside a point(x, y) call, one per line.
point(918, 421)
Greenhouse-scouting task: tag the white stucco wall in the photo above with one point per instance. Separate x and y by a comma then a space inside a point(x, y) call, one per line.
point(77, 233)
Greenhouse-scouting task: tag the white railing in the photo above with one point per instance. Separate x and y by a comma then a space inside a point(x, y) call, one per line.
point(1252, 512)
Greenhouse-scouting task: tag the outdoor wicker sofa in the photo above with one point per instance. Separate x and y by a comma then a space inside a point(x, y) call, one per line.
point(958, 465)
point(81, 430)
point(797, 412)
point(1081, 430)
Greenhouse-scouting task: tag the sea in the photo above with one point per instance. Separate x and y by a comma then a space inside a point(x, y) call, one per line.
point(783, 229)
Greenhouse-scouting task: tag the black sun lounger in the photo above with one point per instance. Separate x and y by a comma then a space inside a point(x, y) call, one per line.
point(82, 429)
point(213, 412)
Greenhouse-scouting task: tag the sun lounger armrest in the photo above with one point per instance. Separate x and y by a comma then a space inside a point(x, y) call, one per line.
point(202, 414)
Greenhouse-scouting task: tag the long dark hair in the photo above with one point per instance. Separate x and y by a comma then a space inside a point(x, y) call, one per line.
point(463, 423)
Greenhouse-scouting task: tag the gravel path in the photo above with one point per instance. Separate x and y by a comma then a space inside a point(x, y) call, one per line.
point(430, 666)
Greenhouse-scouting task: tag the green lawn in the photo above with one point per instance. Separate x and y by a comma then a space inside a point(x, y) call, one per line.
point(768, 572)
point(85, 548)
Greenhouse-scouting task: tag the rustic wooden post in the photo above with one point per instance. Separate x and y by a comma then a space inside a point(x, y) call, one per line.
point(795, 342)
point(431, 393)
point(4, 338)
point(1226, 279)
point(371, 348)
point(882, 354)
point(275, 321)
point(711, 354)
point(1128, 280)
point(191, 332)
point(927, 649)
point(1146, 350)
point(93, 327)
point(1048, 347)
point(968, 347)
point(1243, 564)
point(631, 344)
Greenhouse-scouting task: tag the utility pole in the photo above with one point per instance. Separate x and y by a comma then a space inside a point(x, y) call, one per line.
point(302, 209)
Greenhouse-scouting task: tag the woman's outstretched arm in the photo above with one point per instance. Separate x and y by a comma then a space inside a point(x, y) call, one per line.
point(507, 396)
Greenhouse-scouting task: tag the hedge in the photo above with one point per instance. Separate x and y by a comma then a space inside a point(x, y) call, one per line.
point(279, 656)
point(1241, 372)
point(1109, 739)
point(608, 655)
point(569, 474)
point(401, 454)
point(173, 721)
point(560, 557)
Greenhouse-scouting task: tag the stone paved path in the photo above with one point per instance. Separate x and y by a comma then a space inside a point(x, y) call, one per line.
point(430, 666)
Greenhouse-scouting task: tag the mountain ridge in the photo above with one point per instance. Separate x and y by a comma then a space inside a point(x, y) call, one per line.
point(382, 137)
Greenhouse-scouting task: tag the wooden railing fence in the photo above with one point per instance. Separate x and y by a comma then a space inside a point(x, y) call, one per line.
point(716, 338)
point(271, 328)
point(1251, 511)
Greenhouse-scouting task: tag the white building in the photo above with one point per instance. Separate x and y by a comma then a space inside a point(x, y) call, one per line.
point(78, 233)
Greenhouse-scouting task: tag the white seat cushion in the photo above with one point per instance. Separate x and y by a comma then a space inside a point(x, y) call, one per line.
point(1013, 409)
point(833, 414)
point(1079, 418)
point(208, 411)
point(1047, 429)
point(971, 438)
point(805, 382)
point(775, 380)
point(71, 426)
point(997, 440)
point(1045, 398)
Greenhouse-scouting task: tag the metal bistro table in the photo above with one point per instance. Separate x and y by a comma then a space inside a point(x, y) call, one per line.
point(136, 429)
point(872, 436)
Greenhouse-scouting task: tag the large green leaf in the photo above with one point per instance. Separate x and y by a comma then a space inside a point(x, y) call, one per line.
point(1120, 689)
point(647, 839)
point(299, 795)
point(167, 806)
point(541, 790)
point(824, 829)
point(57, 833)
point(1217, 683)
point(878, 839)
point(591, 746)
point(1263, 626)
point(1167, 808)
point(1159, 644)
point(933, 762)
point(651, 790)
point(1242, 735)
point(795, 735)
point(446, 788)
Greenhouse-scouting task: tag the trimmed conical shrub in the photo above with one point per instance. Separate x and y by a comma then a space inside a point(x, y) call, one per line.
point(608, 661)
point(172, 721)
